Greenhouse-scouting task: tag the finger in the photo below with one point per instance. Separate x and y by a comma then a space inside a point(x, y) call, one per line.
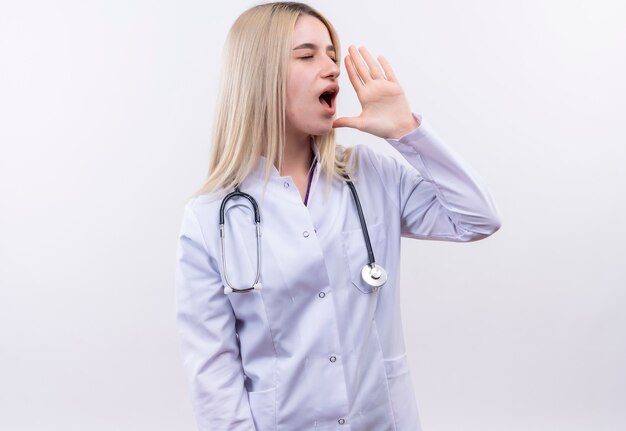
point(352, 122)
point(375, 70)
point(360, 65)
point(355, 80)
point(387, 69)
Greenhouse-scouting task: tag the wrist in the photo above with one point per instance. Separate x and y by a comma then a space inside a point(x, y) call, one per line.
point(405, 128)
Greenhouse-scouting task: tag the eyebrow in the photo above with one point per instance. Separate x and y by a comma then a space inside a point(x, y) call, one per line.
point(314, 46)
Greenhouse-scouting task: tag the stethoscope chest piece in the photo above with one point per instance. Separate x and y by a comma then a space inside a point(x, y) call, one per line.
point(374, 276)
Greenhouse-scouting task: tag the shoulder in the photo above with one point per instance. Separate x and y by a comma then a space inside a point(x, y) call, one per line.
point(205, 205)
point(358, 150)
point(205, 202)
point(200, 215)
point(356, 155)
point(362, 160)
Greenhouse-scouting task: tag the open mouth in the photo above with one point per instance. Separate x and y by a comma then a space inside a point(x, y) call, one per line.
point(328, 98)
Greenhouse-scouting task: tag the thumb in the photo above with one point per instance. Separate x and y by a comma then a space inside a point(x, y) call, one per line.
point(352, 122)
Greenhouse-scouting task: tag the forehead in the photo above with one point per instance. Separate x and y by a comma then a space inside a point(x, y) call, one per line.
point(309, 29)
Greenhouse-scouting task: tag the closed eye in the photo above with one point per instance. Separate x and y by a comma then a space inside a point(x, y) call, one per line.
point(310, 56)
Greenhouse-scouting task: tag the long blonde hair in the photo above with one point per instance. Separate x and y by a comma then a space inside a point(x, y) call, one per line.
point(250, 110)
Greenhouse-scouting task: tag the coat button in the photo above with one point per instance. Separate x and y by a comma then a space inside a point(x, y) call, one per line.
point(321, 294)
point(305, 234)
point(341, 421)
point(333, 359)
point(286, 184)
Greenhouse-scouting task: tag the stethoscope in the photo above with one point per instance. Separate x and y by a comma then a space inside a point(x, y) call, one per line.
point(372, 273)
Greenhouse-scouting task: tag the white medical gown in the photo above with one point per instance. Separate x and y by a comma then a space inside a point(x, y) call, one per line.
point(316, 348)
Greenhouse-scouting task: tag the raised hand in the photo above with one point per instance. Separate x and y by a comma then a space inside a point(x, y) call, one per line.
point(385, 109)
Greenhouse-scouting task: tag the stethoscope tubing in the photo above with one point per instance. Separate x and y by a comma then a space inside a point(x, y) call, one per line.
point(372, 274)
point(257, 221)
point(359, 209)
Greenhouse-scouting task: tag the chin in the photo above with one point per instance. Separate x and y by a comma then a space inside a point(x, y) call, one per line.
point(324, 130)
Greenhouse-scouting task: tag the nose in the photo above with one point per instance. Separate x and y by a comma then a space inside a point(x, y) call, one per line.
point(331, 69)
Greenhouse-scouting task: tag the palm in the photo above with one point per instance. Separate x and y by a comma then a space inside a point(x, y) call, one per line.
point(385, 110)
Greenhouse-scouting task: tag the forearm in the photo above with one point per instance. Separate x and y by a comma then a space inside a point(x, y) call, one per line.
point(462, 209)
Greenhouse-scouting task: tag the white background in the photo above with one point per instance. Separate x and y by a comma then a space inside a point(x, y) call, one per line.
point(105, 118)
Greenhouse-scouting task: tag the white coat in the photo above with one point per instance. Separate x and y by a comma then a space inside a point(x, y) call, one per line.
point(316, 348)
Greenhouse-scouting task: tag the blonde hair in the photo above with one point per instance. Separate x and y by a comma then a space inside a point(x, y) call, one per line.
point(250, 111)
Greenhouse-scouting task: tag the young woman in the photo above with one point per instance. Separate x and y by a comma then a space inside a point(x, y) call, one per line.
point(299, 329)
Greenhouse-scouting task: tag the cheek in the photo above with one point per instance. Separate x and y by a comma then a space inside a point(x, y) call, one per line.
point(295, 90)
point(297, 100)
point(298, 85)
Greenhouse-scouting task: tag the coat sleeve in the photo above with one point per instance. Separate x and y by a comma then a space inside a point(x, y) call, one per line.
point(438, 195)
point(206, 324)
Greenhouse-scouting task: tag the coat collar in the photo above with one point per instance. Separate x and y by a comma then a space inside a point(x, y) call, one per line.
point(255, 182)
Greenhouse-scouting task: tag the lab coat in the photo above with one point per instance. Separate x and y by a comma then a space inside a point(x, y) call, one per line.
point(316, 348)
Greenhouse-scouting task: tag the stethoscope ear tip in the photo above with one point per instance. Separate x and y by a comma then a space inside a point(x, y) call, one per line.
point(227, 290)
point(258, 286)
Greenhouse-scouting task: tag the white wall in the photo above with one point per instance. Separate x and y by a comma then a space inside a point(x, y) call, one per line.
point(105, 116)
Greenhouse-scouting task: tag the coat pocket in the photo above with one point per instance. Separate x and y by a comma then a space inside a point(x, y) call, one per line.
point(263, 408)
point(356, 253)
point(401, 394)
